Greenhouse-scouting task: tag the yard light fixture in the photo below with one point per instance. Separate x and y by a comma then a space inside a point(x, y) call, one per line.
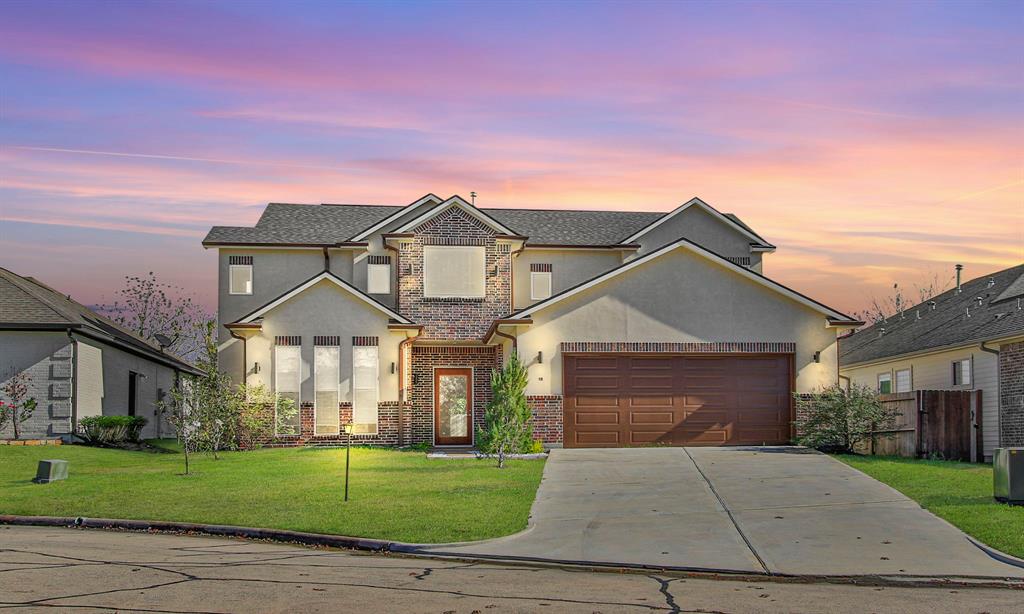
point(347, 427)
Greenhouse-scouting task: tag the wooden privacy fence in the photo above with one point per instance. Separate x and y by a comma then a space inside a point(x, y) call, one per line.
point(943, 423)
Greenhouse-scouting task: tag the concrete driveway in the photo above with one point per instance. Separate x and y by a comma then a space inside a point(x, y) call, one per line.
point(765, 510)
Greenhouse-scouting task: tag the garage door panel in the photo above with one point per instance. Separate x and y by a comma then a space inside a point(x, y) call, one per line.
point(594, 400)
point(590, 438)
point(679, 399)
point(596, 417)
point(637, 437)
point(652, 417)
point(598, 382)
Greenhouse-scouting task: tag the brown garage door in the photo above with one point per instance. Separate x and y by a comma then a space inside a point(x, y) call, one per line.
point(629, 399)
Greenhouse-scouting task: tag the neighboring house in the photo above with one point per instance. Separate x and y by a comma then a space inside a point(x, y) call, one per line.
point(80, 363)
point(637, 328)
point(968, 338)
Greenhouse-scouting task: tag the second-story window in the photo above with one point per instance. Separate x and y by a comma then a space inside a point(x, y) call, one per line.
point(451, 271)
point(378, 275)
point(240, 274)
point(540, 281)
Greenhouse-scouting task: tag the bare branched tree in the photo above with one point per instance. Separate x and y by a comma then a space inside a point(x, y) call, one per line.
point(149, 308)
point(884, 307)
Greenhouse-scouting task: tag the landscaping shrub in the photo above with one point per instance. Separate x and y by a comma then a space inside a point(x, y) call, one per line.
point(836, 420)
point(110, 430)
point(507, 427)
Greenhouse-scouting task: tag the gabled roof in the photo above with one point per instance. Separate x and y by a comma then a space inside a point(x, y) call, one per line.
point(328, 276)
point(28, 304)
point(946, 325)
point(728, 219)
point(327, 225)
point(833, 316)
point(459, 203)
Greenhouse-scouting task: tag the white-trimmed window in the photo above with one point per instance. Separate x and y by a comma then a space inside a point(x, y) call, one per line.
point(904, 380)
point(365, 389)
point(454, 271)
point(326, 383)
point(378, 275)
point(540, 282)
point(885, 382)
point(962, 372)
point(240, 274)
point(287, 386)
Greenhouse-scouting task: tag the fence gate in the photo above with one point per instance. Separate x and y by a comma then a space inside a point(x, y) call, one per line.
point(943, 423)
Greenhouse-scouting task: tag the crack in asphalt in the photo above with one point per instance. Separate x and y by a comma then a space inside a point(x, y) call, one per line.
point(189, 577)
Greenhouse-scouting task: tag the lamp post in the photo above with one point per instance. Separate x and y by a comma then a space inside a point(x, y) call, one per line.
point(348, 453)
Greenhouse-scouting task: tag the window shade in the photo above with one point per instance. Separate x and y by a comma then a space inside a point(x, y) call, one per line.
point(364, 389)
point(287, 373)
point(453, 271)
point(326, 373)
point(240, 278)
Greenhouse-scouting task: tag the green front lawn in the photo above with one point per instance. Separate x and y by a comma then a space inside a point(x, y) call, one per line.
point(961, 493)
point(393, 495)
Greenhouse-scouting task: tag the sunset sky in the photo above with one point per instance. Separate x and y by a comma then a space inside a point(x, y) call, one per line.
point(873, 143)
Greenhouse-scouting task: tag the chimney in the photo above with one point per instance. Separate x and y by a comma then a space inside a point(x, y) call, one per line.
point(959, 268)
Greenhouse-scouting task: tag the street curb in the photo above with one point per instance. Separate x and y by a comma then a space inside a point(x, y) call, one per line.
point(425, 551)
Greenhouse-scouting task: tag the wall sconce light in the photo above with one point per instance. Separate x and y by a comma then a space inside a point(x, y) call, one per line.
point(256, 367)
point(392, 368)
point(540, 357)
point(817, 357)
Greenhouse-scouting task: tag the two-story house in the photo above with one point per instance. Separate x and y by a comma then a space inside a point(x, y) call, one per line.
point(638, 328)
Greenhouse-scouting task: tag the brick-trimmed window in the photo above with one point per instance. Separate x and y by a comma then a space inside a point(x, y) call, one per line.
point(378, 275)
point(240, 274)
point(326, 385)
point(365, 386)
point(540, 281)
point(454, 271)
point(288, 385)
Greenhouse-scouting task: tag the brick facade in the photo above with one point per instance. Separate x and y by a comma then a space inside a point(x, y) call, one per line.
point(1011, 394)
point(388, 433)
point(454, 319)
point(547, 417)
point(425, 358)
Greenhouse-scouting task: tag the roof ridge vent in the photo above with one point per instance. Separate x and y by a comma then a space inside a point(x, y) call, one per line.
point(968, 311)
point(931, 305)
point(991, 282)
point(881, 332)
point(918, 314)
point(979, 299)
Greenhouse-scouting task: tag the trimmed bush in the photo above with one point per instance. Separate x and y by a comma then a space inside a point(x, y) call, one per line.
point(110, 430)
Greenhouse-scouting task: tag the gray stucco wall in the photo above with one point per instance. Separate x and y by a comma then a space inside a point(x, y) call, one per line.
point(704, 229)
point(47, 358)
point(324, 309)
point(679, 297)
point(569, 267)
point(274, 272)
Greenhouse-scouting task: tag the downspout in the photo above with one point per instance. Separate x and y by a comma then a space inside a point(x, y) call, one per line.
point(999, 398)
point(401, 386)
point(245, 360)
point(512, 338)
point(74, 383)
point(327, 261)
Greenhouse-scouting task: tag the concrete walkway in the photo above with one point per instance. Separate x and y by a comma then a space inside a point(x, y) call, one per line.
point(765, 510)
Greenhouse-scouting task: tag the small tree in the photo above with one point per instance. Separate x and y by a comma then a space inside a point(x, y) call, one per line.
point(179, 408)
point(835, 420)
point(19, 406)
point(255, 416)
point(507, 427)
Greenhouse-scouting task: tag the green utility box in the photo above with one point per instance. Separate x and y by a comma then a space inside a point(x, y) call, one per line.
point(51, 470)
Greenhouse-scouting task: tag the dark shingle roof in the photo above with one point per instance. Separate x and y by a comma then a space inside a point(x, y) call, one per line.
point(26, 303)
point(945, 325)
point(569, 227)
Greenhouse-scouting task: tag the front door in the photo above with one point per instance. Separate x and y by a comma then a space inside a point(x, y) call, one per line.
point(453, 407)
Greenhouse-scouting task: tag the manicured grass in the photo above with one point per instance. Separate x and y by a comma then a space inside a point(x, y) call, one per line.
point(394, 495)
point(961, 493)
